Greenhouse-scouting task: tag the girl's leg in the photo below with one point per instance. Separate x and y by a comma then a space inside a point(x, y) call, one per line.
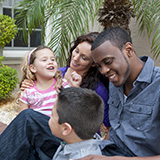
point(27, 132)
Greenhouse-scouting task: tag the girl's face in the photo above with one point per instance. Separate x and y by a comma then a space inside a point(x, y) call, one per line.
point(45, 65)
point(81, 59)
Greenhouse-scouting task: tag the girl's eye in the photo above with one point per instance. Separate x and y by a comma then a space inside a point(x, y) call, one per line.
point(52, 59)
point(43, 59)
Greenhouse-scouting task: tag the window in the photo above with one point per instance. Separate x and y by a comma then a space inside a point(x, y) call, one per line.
point(34, 39)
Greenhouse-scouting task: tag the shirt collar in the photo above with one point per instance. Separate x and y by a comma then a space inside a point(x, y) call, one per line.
point(147, 71)
point(69, 148)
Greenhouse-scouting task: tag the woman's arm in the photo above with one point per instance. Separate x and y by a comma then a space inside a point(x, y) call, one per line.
point(26, 84)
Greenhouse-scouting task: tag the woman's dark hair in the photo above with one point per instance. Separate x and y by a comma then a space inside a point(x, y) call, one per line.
point(93, 76)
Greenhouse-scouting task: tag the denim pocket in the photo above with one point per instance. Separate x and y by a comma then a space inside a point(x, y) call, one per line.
point(140, 116)
point(113, 108)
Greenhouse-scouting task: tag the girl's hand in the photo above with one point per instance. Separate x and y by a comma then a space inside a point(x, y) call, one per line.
point(26, 84)
point(75, 79)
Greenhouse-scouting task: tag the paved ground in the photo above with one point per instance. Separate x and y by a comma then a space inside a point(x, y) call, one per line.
point(8, 112)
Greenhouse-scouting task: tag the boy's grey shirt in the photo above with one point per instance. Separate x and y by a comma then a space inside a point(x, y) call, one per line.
point(78, 150)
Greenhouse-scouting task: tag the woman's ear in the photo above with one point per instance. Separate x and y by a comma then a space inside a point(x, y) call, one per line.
point(93, 64)
point(67, 129)
point(32, 68)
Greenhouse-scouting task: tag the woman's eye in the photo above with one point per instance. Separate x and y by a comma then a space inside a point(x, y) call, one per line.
point(84, 57)
point(76, 50)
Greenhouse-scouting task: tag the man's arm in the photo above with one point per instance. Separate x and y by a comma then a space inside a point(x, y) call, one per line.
point(100, 157)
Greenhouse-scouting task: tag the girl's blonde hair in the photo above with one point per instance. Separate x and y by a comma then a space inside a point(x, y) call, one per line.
point(28, 60)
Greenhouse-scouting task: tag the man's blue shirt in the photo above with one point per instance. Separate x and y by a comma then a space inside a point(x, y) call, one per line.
point(135, 120)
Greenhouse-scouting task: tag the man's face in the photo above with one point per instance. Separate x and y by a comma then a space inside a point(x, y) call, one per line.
point(112, 62)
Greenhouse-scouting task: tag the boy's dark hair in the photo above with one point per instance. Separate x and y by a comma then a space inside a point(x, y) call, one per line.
point(117, 36)
point(82, 108)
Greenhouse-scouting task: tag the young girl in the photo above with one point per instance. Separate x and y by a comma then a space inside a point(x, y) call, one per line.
point(41, 67)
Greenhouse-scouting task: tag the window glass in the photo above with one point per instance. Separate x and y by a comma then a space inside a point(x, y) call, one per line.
point(19, 41)
point(7, 11)
point(34, 39)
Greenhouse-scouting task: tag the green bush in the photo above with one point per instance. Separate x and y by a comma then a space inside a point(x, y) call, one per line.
point(8, 29)
point(8, 80)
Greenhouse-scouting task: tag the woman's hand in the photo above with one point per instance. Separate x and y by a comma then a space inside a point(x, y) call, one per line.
point(75, 79)
point(26, 84)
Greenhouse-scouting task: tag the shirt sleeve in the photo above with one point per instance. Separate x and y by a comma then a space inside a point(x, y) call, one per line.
point(65, 83)
point(102, 91)
point(23, 97)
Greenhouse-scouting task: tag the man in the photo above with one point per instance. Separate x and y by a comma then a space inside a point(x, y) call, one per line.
point(134, 102)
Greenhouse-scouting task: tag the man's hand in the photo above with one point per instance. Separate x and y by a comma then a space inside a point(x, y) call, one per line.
point(99, 157)
point(94, 157)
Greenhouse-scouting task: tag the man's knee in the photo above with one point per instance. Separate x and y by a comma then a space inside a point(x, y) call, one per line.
point(26, 113)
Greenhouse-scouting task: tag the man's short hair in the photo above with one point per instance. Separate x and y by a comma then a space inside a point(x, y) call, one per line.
point(117, 36)
point(82, 108)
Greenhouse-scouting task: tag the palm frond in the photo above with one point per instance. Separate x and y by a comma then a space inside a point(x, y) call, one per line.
point(63, 19)
point(147, 14)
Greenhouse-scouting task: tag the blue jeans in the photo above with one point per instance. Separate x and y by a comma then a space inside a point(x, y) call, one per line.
point(27, 132)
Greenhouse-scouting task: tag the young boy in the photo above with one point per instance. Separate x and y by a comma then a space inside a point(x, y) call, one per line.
point(76, 117)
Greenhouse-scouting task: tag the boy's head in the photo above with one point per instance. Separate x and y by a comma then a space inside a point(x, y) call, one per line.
point(77, 109)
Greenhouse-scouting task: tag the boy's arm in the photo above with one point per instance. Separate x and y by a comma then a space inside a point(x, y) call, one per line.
point(100, 157)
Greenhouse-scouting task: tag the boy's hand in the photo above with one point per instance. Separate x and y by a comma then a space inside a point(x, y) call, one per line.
point(75, 79)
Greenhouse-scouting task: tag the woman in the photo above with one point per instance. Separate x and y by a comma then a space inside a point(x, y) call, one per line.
point(80, 61)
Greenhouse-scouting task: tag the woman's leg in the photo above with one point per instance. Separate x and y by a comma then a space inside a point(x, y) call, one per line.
point(28, 131)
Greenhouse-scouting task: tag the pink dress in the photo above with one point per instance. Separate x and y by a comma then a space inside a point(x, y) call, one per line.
point(41, 101)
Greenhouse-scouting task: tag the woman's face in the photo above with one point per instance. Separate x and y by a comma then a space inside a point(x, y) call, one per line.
point(81, 59)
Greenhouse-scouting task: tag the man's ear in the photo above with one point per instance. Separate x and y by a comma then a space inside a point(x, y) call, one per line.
point(32, 68)
point(129, 49)
point(67, 129)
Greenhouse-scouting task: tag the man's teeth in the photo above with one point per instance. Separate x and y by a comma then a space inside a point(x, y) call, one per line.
point(112, 77)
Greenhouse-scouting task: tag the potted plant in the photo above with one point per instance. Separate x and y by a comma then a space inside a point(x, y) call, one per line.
point(8, 31)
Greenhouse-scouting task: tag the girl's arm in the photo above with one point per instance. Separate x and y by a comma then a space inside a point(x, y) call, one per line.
point(22, 106)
